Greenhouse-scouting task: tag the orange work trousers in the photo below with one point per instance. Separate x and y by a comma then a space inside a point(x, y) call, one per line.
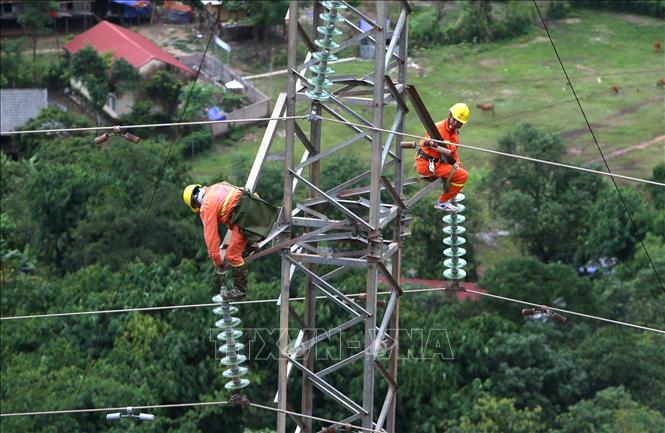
point(236, 246)
point(442, 170)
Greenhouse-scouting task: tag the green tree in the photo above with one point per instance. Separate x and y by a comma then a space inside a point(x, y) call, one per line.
point(164, 88)
point(497, 415)
point(12, 73)
point(610, 232)
point(534, 372)
point(657, 193)
point(529, 279)
point(611, 410)
point(91, 70)
point(124, 76)
point(618, 357)
point(541, 202)
point(36, 17)
point(50, 117)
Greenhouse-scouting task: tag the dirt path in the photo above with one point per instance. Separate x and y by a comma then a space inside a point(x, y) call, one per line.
point(602, 124)
point(620, 152)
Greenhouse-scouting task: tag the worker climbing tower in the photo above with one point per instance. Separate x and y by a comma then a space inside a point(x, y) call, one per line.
point(357, 225)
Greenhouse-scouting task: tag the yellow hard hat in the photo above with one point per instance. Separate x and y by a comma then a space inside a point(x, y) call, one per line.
point(460, 112)
point(187, 196)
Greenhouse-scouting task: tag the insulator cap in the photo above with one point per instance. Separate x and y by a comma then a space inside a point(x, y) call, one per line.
point(452, 275)
point(453, 218)
point(449, 241)
point(454, 230)
point(326, 45)
point(323, 56)
point(326, 31)
point(228, 323)
point(235, 372)
point(229, 334)
point(448, 252)
point(450, 263)
point(229, 348)
point(242, 383)
point(328, 18)
point(239, 359)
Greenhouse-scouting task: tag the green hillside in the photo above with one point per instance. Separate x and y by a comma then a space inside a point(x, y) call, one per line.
point(106, 283)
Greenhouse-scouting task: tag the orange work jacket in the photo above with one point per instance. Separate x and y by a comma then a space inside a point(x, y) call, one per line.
point(446, 135)
point(219, 201)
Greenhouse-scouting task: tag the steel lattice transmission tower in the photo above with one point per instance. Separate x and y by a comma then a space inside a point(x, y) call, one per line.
point(344, 227)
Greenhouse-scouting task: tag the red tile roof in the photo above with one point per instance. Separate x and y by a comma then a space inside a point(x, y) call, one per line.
point(136, 49)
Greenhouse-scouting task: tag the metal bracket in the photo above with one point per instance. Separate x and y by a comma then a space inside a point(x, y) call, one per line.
point(313, 117)
point(239, 400)
point(405, 226)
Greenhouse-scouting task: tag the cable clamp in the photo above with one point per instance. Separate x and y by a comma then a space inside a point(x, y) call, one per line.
point(313, 117)
point(238, 400)
point(117, 131)
point(543, 312)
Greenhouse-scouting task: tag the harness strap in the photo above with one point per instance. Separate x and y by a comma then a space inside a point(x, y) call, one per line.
point(423, 155)
point(450, 177)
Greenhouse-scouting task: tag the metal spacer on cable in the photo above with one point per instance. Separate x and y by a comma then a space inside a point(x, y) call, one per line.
point(313, 117)
point(238, 400)
point(544, 312)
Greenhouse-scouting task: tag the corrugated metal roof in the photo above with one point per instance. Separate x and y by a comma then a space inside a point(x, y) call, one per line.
point(17, 106)
point(136, 49)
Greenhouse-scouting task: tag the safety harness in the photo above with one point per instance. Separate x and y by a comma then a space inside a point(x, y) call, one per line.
point(434, 160)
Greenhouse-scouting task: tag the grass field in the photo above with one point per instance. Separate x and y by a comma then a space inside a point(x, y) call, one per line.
point(523, 79)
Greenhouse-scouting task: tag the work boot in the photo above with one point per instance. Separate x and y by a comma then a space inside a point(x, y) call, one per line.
point(240, 278)
point(447, 206)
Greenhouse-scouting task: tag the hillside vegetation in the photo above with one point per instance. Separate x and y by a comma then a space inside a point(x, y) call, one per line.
point(87, 228)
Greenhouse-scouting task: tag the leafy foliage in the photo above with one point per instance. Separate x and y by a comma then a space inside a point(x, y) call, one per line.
point(476, 23)
point(164, 88)
point(90, 69)
point(124, 76)
point(51, 117)
point(492, 415)
point(611, 410)
point(534, 198)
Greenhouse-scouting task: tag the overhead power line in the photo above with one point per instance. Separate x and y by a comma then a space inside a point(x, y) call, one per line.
point(498, 152)
point(561, 310)
point(353, 295)
point(179, 405)
point(147, 125)
point(160, 176)
point(593, 135)
point(359, 125)
point(109, 409)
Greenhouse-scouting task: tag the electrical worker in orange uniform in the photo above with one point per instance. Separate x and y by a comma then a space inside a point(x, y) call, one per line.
point(215, 204)
point(436, 159)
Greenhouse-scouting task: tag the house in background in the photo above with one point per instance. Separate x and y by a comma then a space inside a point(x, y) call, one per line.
point(77, 14)
point(135, 49)
point(17, 106)
point(129, 10)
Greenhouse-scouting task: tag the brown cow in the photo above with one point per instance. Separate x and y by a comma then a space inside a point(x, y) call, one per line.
point(486, 107)
point(615, 89)
point(661, 82)
point(657, 46)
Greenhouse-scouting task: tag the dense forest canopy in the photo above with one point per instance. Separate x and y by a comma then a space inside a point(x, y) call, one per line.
point(86, 227)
